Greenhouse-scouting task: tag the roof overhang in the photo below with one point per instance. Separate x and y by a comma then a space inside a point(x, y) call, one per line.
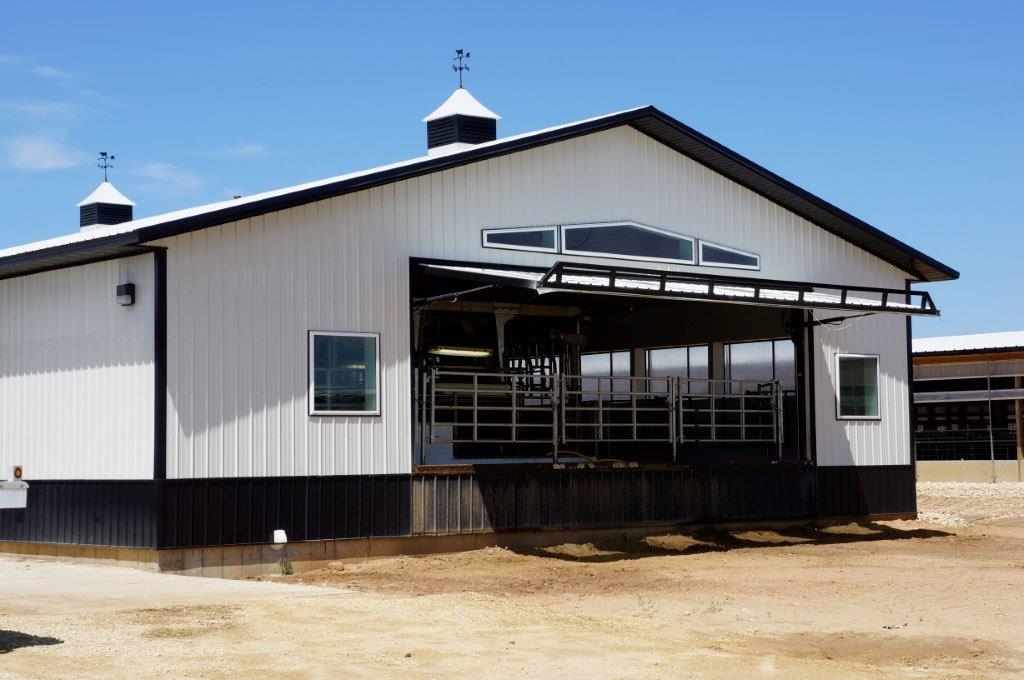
point(568, 277)
point(647, 120)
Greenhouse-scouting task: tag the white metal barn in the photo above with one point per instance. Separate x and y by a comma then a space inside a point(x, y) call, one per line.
point(613, 322)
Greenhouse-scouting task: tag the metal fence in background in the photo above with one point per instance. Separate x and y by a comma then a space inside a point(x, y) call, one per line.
point(966, 444)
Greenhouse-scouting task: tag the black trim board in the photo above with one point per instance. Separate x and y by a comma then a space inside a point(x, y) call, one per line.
point(192, 513)
point(160, 363)
point(648, 120)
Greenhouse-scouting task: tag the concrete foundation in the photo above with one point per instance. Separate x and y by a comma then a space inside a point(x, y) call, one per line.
point(240, 561)
point(968, 471)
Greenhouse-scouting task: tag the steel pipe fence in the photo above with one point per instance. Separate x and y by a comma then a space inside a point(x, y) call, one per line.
point(559, 408)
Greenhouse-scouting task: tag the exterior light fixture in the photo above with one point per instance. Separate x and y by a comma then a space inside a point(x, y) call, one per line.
point(125, 294)
point(475, 352)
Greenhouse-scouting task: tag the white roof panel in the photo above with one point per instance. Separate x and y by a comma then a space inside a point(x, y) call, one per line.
point(106, 193)
point(461, 103)
point(966, 343)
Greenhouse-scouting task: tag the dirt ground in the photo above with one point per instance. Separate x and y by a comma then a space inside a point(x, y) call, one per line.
point(938, 598)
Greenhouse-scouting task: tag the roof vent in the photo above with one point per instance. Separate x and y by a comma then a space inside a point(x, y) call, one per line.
point(459, 123)
point(104, 206)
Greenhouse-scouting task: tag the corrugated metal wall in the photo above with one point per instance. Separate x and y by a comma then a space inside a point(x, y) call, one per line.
point(863, 442)
point(76, 372)
point(243, 296)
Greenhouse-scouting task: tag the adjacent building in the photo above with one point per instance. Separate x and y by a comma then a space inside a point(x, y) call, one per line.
point(968, 391)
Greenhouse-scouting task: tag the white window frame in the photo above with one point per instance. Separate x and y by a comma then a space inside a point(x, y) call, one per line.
point(839, 386)
point(311, 377)
point(635, 258)
point(513, 230)
point(730, 249)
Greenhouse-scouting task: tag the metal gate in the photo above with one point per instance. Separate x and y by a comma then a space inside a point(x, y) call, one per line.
point(557, 409)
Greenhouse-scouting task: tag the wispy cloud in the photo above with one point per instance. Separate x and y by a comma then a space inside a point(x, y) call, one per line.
point(40, 108)
point(50, 72)
point(240, 150)
point(40, 152)
point(159, 176)
point(25, 64)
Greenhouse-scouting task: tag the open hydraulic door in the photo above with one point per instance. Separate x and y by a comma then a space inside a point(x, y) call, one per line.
point(608, 280)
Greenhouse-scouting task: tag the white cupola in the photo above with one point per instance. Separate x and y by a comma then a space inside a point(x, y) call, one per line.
point(104, 206)
point(459, 123)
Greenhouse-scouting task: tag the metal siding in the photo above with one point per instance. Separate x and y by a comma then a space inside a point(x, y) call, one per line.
point(863, 442)
point(97, 512)
point(243, 295)
point(76, 372)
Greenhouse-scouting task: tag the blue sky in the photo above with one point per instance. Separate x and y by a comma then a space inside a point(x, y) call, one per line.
point(907, 114)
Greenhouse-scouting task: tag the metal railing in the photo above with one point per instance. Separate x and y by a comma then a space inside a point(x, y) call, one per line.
point(557, 409)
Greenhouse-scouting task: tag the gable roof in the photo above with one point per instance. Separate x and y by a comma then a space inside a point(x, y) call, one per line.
point(130, 237)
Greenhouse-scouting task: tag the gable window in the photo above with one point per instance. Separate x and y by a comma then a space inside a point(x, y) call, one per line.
point(344, 373)
point(540, 239)
point(857, 387)
point(715, 255)
point(627, 240)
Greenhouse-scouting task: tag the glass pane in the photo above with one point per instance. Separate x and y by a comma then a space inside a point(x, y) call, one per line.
point(345, 373)
point(539, 238)
point(710, 254)
point(628, 241)
point(858, 387)
point(785, 364)
point(621, 367)
point(595, 365)
point(668, 362)
point(748, 361)
point(699, 368)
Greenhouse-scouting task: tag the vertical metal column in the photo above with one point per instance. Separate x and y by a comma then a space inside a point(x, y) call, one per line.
point(1017, 403)
point(991, 435)
point(556, 390)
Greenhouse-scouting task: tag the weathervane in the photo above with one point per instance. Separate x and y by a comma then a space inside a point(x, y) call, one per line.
point(105, 162)
point(461, 56)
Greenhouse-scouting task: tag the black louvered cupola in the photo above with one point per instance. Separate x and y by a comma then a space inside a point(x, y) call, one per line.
point(459, 122)
point(104, 206)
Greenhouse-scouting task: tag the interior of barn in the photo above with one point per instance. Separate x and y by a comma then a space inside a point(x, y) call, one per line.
point(504, 374)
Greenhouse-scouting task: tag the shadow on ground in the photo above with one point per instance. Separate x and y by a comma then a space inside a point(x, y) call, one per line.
point(11, 640)
point(719, 540)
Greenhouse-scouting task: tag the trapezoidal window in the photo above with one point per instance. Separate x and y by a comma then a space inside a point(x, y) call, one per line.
point(539, 239)
point(344, 374)
point(627, 240)
point(714, 255)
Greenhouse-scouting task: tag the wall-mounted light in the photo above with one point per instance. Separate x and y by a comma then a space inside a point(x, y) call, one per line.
point(477, 353)
point(125, 294)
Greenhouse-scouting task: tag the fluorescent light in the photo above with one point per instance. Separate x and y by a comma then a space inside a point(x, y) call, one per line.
point(460, 352)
